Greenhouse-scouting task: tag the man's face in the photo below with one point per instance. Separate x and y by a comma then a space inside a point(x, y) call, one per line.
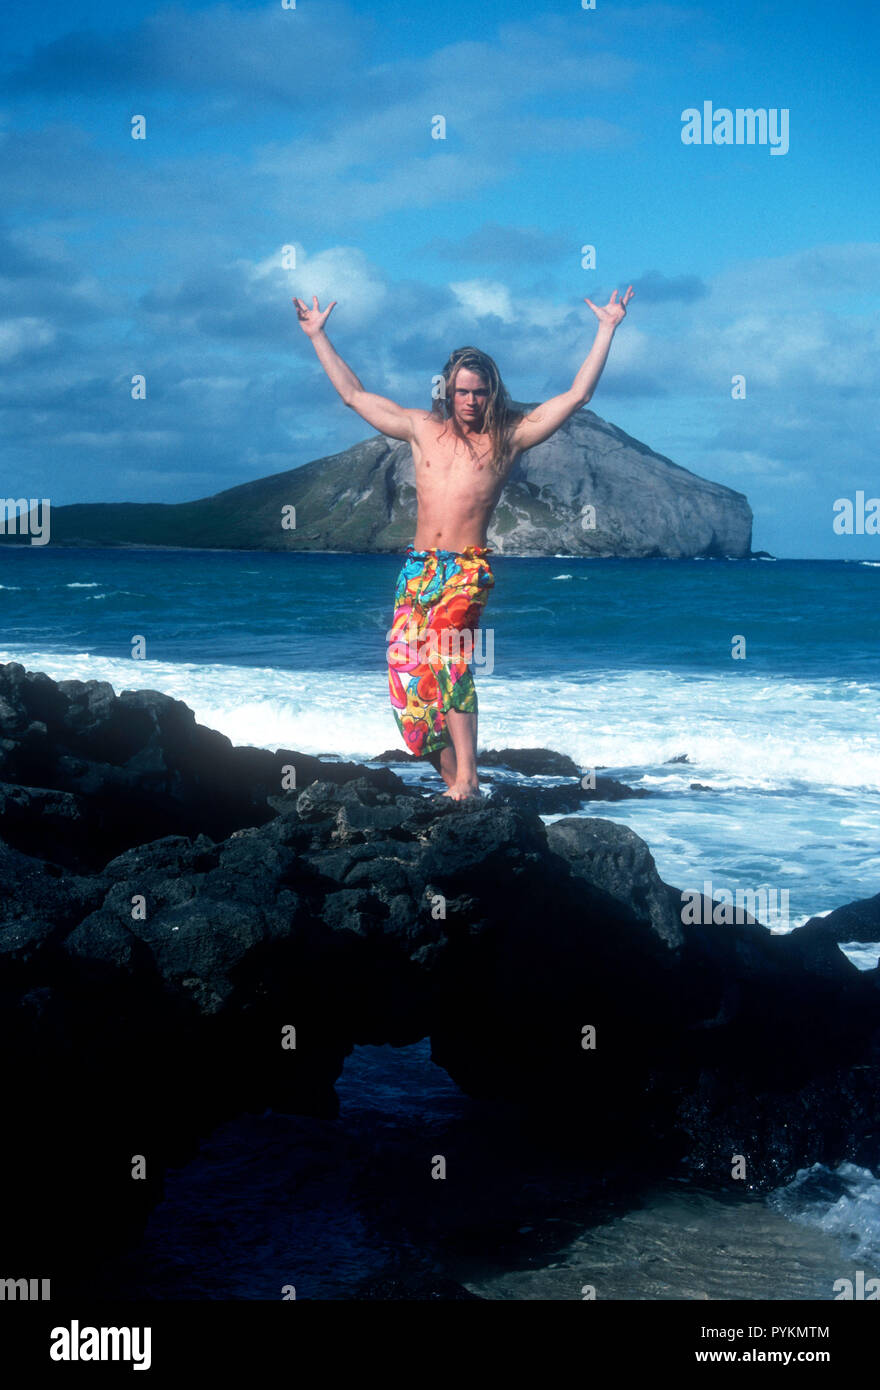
point(469, 396)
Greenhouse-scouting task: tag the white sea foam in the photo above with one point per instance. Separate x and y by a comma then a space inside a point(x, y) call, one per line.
point(865, 955)
point(310, 711)
point(844, 1201)
point(761, 733)
point(793, 766)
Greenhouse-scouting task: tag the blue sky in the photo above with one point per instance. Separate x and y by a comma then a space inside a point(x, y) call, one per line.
point(311, 128)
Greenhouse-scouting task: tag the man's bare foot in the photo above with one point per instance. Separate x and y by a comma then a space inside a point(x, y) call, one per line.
point(460, 790)
point(444, 763)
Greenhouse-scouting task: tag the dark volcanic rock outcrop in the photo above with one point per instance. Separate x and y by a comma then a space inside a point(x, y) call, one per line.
point(364, 500)
point(85, 773)
point(186, 977)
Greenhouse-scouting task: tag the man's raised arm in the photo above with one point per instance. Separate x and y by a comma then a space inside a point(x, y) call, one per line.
point(546, 419)
point(378, 411)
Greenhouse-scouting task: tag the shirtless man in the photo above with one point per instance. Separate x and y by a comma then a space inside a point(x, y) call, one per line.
point(463, 450)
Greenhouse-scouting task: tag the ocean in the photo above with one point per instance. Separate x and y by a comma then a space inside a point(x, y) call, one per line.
point(764, 675)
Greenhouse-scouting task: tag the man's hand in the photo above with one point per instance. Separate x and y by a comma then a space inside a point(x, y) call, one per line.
point(311, 321)
point(611, 313)
point(539, 424)
point(378, 411)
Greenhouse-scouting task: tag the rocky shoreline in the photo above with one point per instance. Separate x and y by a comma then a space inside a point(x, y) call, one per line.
point(183, 940)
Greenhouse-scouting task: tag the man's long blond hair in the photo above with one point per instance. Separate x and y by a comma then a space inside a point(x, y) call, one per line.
point(499, 416)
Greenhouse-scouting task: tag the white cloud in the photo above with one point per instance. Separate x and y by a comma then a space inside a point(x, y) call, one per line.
point(483, 297)
point(24, 335)
point(752, 466)
point(120, 439)
point(345, 274)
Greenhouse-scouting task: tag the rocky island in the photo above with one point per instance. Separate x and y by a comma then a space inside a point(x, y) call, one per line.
point(590, 490)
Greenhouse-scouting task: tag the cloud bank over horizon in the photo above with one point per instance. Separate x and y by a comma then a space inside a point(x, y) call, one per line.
point(311, 130)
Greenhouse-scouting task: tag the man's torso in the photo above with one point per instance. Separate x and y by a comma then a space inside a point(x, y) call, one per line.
point(457, 485)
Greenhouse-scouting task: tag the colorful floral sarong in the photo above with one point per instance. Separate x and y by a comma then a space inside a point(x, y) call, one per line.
point(437, 606)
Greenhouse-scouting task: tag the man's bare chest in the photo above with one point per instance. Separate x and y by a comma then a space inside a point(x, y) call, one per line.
point(441, 456)
point(454, 456)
